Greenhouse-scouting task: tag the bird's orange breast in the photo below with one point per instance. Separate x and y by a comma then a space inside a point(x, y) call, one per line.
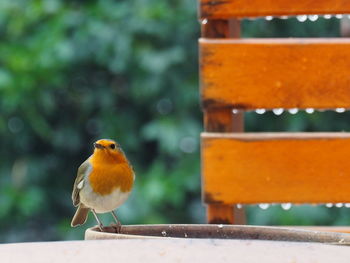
point(104, 178)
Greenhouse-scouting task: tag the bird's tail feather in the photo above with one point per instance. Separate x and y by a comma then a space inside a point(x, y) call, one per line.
point(80, 216)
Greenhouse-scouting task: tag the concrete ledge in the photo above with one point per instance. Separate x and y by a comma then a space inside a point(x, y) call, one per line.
point(174, 250)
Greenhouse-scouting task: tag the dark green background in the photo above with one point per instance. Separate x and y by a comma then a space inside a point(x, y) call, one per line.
point(75, 71)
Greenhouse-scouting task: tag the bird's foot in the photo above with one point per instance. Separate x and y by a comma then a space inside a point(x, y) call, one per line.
point(117, 227)
point(102, 228)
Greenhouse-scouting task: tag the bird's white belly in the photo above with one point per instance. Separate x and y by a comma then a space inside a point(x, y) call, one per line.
point(102, 203)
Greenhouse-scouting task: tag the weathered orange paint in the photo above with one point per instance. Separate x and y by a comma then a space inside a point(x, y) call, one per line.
point(275, 73)
point(220, 214)
point(222, 120)
point(257, 8)
point(250, 168)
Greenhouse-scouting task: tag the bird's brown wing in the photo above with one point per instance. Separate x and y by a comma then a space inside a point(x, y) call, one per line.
point(79, 181)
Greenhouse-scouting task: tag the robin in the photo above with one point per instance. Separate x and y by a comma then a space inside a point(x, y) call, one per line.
point(104, 182)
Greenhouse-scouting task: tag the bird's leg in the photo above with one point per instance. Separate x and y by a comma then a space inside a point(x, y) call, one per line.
point(118, 224)
point(100, 225)
point(115, 217)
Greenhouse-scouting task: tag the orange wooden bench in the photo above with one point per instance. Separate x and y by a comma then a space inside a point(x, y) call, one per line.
point(225, 9)
point(250, 74)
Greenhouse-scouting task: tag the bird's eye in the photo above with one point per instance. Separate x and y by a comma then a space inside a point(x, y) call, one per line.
point(112, 146)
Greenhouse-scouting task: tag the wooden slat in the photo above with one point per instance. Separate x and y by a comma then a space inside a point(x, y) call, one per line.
point(276, 168)
point(257, 8)
point(275, 73)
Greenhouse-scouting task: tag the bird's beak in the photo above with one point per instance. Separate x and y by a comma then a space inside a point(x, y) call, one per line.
point(98, 146)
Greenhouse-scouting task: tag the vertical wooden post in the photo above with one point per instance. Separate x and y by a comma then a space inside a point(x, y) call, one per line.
point(223, 120)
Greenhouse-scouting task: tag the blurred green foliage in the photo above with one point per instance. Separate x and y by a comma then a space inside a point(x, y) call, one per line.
point(75, 71)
